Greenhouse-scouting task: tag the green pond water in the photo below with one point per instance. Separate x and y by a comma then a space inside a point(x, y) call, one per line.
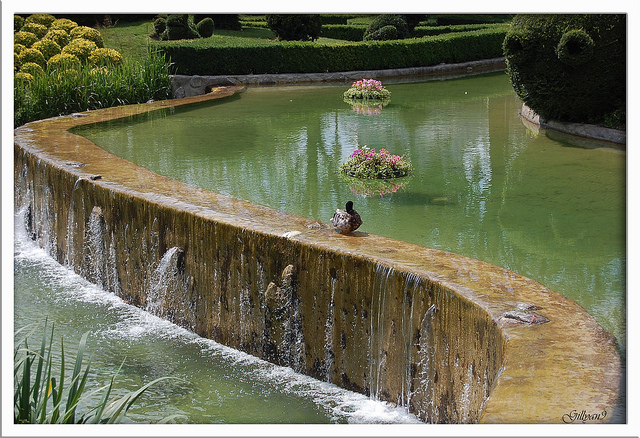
point(484, 185)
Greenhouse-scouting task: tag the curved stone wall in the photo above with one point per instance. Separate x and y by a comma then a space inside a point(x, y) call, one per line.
point(455, 339)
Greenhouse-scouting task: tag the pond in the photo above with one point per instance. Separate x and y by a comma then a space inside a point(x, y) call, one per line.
point(484, 185)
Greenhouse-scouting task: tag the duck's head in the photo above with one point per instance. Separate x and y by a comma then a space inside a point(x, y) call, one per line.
point(349, 206)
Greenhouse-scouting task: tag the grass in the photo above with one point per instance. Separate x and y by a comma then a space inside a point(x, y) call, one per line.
point(55, 93)
point(43, 395)
point(130, 39)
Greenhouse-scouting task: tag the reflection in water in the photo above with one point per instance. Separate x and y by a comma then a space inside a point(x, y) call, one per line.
point(483, 184)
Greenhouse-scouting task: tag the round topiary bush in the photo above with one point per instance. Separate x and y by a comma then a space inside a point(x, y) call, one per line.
point(47, 47)
point(63, 61)
point(24, 38)
point(63, 23)
point(385, 20)
point(59, 36)
point(179, 28)
point(87, 33)
point(22, 77)
point(18, 22)
point(32, 55)
point(44, 19)
point(295, 27)
point(80, 48)
point(159, 26)
point(570, 68)
point(32, 68)
point(385, 33)
point(221, 21)
point(17, 48)
point(205, 27)
point(104, 57)
point(38, 30)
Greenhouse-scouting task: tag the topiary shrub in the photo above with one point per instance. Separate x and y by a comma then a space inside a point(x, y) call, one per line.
point(575, 47)
point(47, 47)
point(569, 68)
point(25, 38)
point(18, 22)
point(32, 68)
point(80, 48)
point(17, 48)
point(59, 36)
point(32, 55)
point(38, 30)
point(221, 21)
point(179, 28)
point(160, 26)
point(65, 24)
point(397, 21)
point(22, 77)
point(104, 57)
point(63, 61)
point(295, 27)
point(43, 19)
point(205, 27)
point(385, 33)
point(87, 33)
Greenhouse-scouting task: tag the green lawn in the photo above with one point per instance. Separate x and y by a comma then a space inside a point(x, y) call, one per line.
point(130, 39)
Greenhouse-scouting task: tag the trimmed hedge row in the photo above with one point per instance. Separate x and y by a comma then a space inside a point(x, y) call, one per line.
point(219, 56)
point(356, 32)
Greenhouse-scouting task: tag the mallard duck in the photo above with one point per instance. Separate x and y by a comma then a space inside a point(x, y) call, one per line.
point(346, 221)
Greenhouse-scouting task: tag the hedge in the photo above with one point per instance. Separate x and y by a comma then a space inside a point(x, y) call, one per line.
point(228, 55)
point(570, 68)
point(356, 32)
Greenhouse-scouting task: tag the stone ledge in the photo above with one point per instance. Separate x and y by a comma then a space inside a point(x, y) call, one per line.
point(583, 130)
point(187, 86)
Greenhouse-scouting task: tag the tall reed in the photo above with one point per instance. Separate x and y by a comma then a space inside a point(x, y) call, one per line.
point(56, 93)
point(44, 397)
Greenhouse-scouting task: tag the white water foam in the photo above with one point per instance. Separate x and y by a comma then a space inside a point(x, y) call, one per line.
point(135, 323)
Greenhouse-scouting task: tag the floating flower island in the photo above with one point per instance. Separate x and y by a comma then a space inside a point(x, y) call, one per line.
point(369, 89)
point(368, 164)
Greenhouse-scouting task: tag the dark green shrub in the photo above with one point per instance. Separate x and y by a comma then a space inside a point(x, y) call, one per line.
point(159, 25)
point(220, 55)
point(343, 32)
point(205, 27)
point(221, 21)
point(18, 22)
point(179, 28)
point(569, 68)
point(414, 20)
point(397, 21)
point(385, 33)
point(295, 27)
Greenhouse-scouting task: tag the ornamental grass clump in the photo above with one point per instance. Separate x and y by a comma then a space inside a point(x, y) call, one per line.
point(367, 89)
point(369, 164)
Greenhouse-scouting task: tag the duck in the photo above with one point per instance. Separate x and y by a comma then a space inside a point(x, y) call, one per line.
point(346, 221)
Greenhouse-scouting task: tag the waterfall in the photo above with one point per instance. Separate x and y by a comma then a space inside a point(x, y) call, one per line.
point(168, 291)
point(377, 350)
point(329, 354)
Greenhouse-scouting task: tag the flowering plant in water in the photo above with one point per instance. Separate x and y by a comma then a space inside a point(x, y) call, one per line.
point(367, 89)
point(367, 163)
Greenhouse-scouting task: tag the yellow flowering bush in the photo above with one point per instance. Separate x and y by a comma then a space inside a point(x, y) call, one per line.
point(44, 19)
point(105, 57)
point(17, 48)
point(24, 38)
point(64, 24)
point(32, 68)
point(48, 48)
point(63, 61)
point(88, 33)
point(38, 30)
point(18, 22)
point(59, 36)
point(23, 77)
point(32, 55)
point(80, 48)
